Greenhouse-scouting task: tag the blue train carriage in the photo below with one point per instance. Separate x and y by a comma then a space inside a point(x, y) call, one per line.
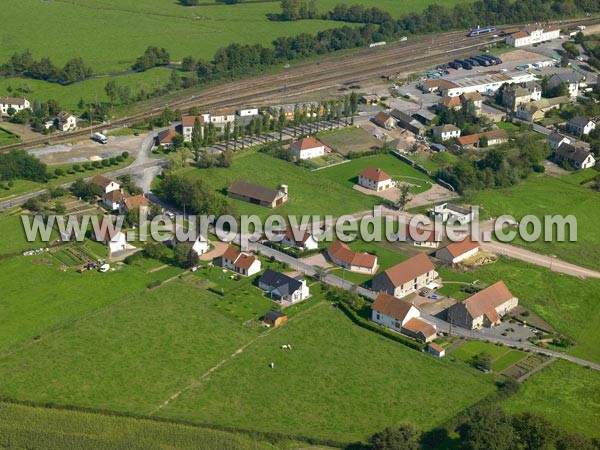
point(479, 31)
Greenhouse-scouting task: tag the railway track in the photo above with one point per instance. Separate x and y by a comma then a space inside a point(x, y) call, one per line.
point(419, 52)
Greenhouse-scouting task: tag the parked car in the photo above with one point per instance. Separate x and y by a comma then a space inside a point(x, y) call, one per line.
point(104, 268)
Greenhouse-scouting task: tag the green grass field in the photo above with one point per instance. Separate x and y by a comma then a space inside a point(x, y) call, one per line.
point(7, 138)
point(339, 381)
point(502, 357)
point(565, 393)
point(349, 139)
point(542, 195)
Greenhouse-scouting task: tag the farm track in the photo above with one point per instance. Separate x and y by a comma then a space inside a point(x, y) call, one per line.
point(417, 53)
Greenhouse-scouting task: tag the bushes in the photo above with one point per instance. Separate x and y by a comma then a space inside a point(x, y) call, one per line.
point(374, 151)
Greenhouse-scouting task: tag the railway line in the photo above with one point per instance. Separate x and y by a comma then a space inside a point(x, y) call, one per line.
point(418, 52)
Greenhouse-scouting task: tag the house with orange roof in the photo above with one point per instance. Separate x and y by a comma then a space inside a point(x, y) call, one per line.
point(405, 278)
point(240, 262)
point(131, 202)
point(340, 254)
point(300, 239)
point(307, 148)
point(483, 309)
point(493, 137)
point(436, 350)
point(458, 251)
point(401, 316)
point(375, 179)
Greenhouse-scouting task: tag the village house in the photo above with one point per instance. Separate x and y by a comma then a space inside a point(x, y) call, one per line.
point(106, 184)
point(405, 278)
point(402, 317)
point(258, 195)
point(340, 254)
point(187, 126)
point(240, 262)
point(532, 34)
point(458, 251)
point(66, 121)
point(447, 131)
point(436, 350)
point(375, 179)
point(556, 139)
point(111, 236)
point(300, 239)
point(283, 288)
point(518, 94)
point(409, 123)
point(572, 79)
point(274, 318)
point(223, 117)
point(420, 237)
point(483, 309)
point(534, 111)
point(578, 126)
point(575, 155)
point(166, 138)
point(112, 200)
point(450, 103)
point(492, 138)
point(307, 148)
point(18, 104)
point(474, 97)
point(131, 202)
point(384, 120)
point(199, 243)
point(449, 212)
point(436, 85)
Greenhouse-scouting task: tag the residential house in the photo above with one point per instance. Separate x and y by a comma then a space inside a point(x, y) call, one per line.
point(375, 179)
point(340, 254)
point(132, 202)
point(436, 350)
point(474, 97)
point(450, 103)
point(556, 139)
point(110, 235)
point(519, 94)
point(18, 104)
point(494, 137)
point(452, 213)
point(274, 318)
point(199, 243)
point(258, 195)
point(283, 288)
point(223, 117)
point(575, 155)
point(401, 316)
point(409, 123)
point(307, 148)
point(483, 309)
point(106, 184)
point(458, 251)
point(534, 111)
point(112, 200)
point(578, 126)
point(300, 239)
point(572, 79)
point(447, 131)
point(66, 121)
point(166, 138)
point(405, 278)
point(240, 262)
point(532, 34)
point(187, 126)
point(436, 85)
point(384, 120)
point(420, 237)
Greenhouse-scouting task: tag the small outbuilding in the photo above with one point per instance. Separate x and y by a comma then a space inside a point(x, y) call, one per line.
point(274, 318)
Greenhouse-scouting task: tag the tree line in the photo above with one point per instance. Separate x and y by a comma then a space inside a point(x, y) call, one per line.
point(23, 64)
point(18, 164)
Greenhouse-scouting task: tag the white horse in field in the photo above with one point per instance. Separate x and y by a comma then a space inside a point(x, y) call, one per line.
point(286, 347)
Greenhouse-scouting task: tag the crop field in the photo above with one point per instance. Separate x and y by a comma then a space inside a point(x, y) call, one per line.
point(544, 195)
point(565, 393)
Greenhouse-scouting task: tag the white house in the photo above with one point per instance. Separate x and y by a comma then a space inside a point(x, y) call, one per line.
point(375, 179)
point(283, 288)
point(575, 155)
point(66, 121)
point(112, 200)
point(307, 148)
point(578, 126)
point(223, 117)
point(458, 251)
point(247, 112)
point(111, 236)
point(18, 104)
point(106, 184)
point(556, 139)
point(240, 262)
point(402, 317)
point(187, 126)
point(532, 35)
point(200, 245)
point(452, 213)
point(302, 240)
point(572, 79)
point(447, 131)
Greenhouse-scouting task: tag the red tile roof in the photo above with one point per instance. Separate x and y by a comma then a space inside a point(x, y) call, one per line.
point(409, 269)
point(474, 138)
point(416, 326)
point(136, 201)
point(190, 121)
point(307, 143)
point(340, 251)
point(375, 175)
point(460, 248)
point(391, 306)
point(487, 300)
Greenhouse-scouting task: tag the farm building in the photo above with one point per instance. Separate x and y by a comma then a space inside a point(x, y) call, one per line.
point(445, 132)
point(281, 287)
point(575, 155)
point(494, 137)
point(307, 148)
point(187, 126)
point(106, 184)
point(483, 309)
point(453, 213)
point(274, 318)
point(458, 251)
point(240, 262)
point(436, 350)
point(579, 125)
point(340, 254)
point(384, 120)
point(300, 239)
point(375, 179)
point(532, 34)
point(18, 104)
point(405, 278)
point(258, 195)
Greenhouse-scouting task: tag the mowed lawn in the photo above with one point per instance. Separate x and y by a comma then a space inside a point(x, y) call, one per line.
point(502, 357)
point(540, 196)
point(565, 393)
point(338, 382)
point(14, 239)
point(349, 139)
point(130, 357)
